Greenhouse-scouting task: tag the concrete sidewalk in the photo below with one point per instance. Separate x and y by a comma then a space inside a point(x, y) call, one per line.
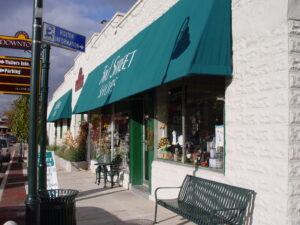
point(116, 206)
point(95, 205)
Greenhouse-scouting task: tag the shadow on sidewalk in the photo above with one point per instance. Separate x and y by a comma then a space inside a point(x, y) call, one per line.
point(91, 191)
point(99, 216)
point(15, 213)
point(95, 196)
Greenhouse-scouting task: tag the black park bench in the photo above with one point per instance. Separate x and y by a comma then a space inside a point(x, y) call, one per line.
point(208, 202)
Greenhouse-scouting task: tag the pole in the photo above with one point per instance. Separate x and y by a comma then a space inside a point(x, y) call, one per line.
point(21, 153)
point(44, 99)
point(32, 201)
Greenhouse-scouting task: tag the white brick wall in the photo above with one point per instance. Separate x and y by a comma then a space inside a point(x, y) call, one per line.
point(294, 121)
point(257, 113)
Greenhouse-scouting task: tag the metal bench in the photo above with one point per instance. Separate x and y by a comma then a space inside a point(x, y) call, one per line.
point(208, 202)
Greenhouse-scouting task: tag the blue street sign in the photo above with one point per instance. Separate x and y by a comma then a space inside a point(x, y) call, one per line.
point(62, 38)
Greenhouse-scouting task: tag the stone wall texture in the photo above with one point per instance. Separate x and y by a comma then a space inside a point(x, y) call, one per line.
point(294, 123)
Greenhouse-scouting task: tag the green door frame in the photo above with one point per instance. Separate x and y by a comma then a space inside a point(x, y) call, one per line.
point(138, 153)
point(136, 143)
point(149, 124)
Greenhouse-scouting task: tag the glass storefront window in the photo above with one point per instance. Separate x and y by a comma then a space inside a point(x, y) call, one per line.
point(95, 136)
point(195, 123)
point(55, 131)
point(105, 136)
point(174, 131)
point(121, 137)
point(109, 135)
point(61, 128)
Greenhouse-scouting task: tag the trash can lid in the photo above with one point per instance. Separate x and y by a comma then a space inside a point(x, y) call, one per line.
point(58, 194)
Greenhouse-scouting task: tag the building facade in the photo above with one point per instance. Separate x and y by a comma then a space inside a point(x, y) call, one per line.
point(240, 128)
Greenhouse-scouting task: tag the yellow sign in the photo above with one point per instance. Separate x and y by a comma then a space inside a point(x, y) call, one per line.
point(19, 41)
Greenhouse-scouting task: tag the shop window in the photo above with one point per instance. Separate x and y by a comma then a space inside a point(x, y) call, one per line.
point(61, 128)
point(55, 130)
point(195, 123)
point(95, 135)
point(121, 137)
point(68, 124)
point(105, 135)
point(110, 134)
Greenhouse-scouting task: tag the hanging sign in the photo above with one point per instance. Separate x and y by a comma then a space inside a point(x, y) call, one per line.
point(62, 38)
point(15, 61)
point(14, 75)
point(14, 89)
point(19, 41)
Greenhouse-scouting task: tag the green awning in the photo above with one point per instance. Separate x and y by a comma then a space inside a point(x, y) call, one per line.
point(62, 108)
point(193, 37)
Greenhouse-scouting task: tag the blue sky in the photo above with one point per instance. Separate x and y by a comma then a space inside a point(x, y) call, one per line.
point(80, 16)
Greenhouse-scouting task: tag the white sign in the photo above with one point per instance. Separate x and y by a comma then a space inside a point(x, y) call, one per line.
point(219, 136)
point(51, 170)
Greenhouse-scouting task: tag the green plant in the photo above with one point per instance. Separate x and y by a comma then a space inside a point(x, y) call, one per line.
point(52, 148)
point(74, 150)
point(72, 154)
point(76, 154)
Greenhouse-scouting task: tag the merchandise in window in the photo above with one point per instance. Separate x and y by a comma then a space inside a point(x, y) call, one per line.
point(121, 138)
point(195, 123)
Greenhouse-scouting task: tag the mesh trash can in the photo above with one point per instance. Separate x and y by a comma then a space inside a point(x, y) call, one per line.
point(58, 207)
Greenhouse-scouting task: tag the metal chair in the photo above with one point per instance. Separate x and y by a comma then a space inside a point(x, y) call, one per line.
point(114, 171)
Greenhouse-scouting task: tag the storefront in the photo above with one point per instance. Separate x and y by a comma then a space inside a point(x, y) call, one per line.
point(60, 115)
point(208, 88)
point(195, 55)
point(190, 115)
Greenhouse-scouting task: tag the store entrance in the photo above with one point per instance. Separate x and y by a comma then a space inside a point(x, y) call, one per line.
point(148, 139)
point(141, 142)
point(148, 148)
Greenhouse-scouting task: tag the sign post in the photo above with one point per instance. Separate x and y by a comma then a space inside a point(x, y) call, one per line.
point(44, 98)
point(32, 201)
point(59, 37)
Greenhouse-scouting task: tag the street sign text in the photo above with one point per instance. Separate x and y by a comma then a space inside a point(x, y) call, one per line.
point(62, 38)
point(20, 41)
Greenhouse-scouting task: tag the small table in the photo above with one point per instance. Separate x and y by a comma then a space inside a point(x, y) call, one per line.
point(102, 167)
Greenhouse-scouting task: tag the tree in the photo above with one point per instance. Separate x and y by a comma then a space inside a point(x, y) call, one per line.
point(20, 118)
point(10, 115)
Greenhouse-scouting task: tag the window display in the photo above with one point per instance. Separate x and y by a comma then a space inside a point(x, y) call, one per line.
point(103, 126)
point(121, 138)
point(195, 124)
